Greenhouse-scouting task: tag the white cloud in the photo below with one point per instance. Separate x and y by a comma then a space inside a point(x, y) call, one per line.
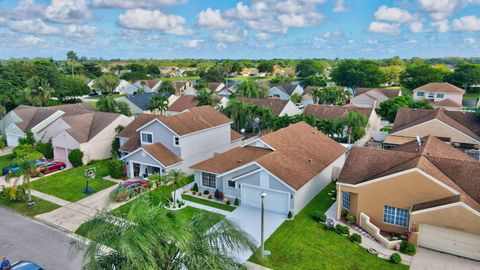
point(262, 36)
point(221, 46)
point(212, 18)
point(32, 40)
point(2, 20)
point(230, 36)
point(439, 9)
point(442, 26)
point(411, 41)
point(466, 24)
point(80, 31)
point(384, 28)
point(25, 10)
point(469, 41)
point(142, 19)
point(67, 11)
point(193, 43)
point(393, 14)
point(300, 20)
point(416, 27)
point(372, 41)
point(340, 6)
point(36, 26)
point(130, 4)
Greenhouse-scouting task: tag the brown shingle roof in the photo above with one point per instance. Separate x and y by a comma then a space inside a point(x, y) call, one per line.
point(445, 103)
point(435, 203)
point(149, 83)
point(86, 126)
point(131, 129)
point(235, 135)
point(162, 154)
point(331, 112)
point(232, 159)
point(389, 92)
point(465, 122)
point(445, 163)
point(301, 152)
point(183, 103)
point(440, 87)
point(275, 104)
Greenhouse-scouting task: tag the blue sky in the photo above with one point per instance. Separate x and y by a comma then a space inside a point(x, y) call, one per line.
point(240, 29)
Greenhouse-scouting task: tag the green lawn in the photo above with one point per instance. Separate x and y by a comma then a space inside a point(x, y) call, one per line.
point(407, 92)
point(211, 203)
point(40, 206)
point(5, 160)
point(471, 96)
point(68, 185)
point(304, 244)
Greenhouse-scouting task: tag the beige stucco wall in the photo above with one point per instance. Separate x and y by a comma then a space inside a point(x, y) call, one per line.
point(401, 191)
point(436, 128)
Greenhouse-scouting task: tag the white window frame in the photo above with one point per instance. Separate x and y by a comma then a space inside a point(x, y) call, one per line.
point(437, 97)
point(346, 200)
point(394, 216)
point(422, 94)
point(234, 184)
point(175, 138)
point(146, 133)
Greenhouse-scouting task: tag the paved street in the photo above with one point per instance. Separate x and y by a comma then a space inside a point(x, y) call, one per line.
point(25, 239)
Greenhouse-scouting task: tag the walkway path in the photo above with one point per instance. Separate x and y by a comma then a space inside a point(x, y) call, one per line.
point(179, 192)
point(50, 198)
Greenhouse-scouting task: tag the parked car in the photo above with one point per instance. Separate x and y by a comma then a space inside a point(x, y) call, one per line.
point(49, 167)
point(24, 265)
point(14, 168)
point(300, 105)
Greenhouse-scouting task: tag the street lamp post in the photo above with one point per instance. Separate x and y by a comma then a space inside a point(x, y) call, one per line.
point(262, 246)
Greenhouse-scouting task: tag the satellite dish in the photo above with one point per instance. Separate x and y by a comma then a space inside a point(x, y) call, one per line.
point(242, 130)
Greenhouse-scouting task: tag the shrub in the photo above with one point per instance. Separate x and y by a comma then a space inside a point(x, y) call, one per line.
point(343, 230)
point(210, 196)
point(228, 202)
point(116, 169)
point(195, 187)
point(408, 248)
point(289, 214)
point(351, 219)
point(356, 238)
point(76, 157)
point(319, 216)
point(395, 258)
point(206, 192)
point(236, 202)
point(3, 144)
point(45, 149)
point(344, 213)
point(218, 195)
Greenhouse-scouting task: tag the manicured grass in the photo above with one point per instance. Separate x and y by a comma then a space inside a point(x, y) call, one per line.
point(407, 92)
point(211, 203)
point(40, 206)
point(471, 96)
point(304, 244)
point(5, 160)
point(69, 184)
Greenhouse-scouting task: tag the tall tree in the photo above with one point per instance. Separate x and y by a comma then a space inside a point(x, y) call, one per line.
point(106, 83)
point(106, 104)
point(265, 67)
point(71, 87)
point(158, 103)
point(315, 81)
point(92, 70)
point(38, 91)
point(392, 74)
point(355, 124)
point(306, 68)
point(174, 176)
point(167, 87)
point(250, 89)
point(330, 95)
point(358, 73)
point(205, 97)
point(72, 59)
point(26, 167)
point(420, 74)
point(465, 75)
point(388, 109)
point(216, 73)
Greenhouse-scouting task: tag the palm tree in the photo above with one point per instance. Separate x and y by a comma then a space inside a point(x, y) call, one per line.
point(355, 123)
point(205, 97)
point(158, 103)
point(38, 91)
point(27, 166)
point(106, 104)
point(174, 176)
point(154, 238)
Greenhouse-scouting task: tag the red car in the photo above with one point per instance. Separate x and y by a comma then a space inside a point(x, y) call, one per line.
point(49, 167)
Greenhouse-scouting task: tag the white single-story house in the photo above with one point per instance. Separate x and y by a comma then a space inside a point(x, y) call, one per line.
point(139, 102)
point(279, 107)
point(285, 91)
point(291, 166)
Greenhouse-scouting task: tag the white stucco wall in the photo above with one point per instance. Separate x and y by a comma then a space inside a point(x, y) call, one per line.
point(53, 130)
point(290, 109)
point(363, 101)
point(275, 92)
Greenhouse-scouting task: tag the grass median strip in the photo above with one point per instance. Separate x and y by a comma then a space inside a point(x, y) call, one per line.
point(210, 203)
point(40, 207)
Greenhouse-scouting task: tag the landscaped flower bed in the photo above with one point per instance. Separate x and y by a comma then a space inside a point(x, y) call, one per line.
point(216, 198)
point(128, 190)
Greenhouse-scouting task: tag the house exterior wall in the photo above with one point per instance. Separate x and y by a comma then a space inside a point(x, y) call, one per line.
point(274, 92)
point(140, 157)
point(53, 130)
point(456, 218)
point(64, 140)
point(163, 135)
point(12, 134)
point(363, 101)
point(401, 191)
point(199, 146)
point(374, 122)
point(290, 109)
point(457, 97)
point(436, 128)
point(298, 90)
point(9, 119)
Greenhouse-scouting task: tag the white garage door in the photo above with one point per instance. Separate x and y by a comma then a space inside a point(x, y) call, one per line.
point(12, 140)
point(60, 154)
point(450, 241)
point(276, 201)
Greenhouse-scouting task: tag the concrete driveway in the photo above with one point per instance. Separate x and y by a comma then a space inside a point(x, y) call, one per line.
point(427, 259)
point(248, 219)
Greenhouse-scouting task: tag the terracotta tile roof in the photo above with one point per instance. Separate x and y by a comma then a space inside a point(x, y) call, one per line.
point(235, 135)
point(162, 154)
point(183, 103)
point(213, 86)
point(465, 122)
point(388, 92)
point(301, 152)
point(131, 129)
point(330, 112)
point(445, 103)
point(435, 203)
point(440, 87)
point(445, 163)
point(86, 126)
point(231, 159)
point(178, 85)
point(275, 104)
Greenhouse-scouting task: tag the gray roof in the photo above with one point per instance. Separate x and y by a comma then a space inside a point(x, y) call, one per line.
point(141, 100)
point(286, 88)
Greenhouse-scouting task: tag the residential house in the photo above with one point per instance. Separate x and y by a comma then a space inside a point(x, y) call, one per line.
point(139, 102)
point(122, 87)
point(227, 90)
point(307, 97)
point(441, 95)
point(183, 87)
point(246, 72)
point(278, 106)
point(154, 144)
point(427, 191)
point(182, 104)
point(461, 129)
point(215, 86)
point(285, 91)
point(91, 132)
point(291, 165)
point(372, 97)
point(143, 86)
point(25, 118)
point(328, 112)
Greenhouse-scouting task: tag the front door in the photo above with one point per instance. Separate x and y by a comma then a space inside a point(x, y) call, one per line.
point(136, 170)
